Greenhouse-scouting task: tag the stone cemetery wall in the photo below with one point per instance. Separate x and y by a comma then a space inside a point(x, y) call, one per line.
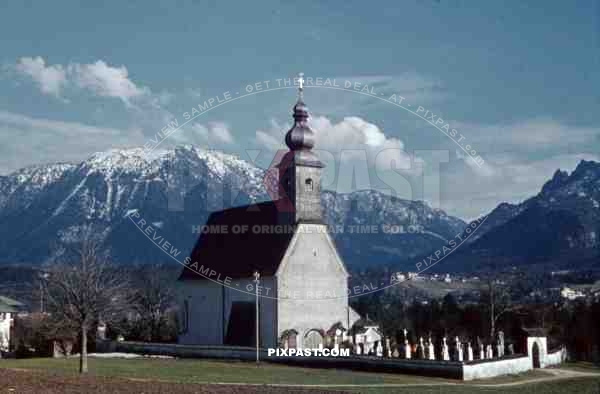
point(509, 365)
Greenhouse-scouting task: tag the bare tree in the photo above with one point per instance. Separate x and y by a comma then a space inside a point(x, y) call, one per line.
point(498, 300)
point(154, 295)
point(84, 287)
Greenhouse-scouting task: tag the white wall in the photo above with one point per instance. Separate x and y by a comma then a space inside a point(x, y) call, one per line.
point(493, 368)
point(209, 306)
point(5, 324)
point(515, 365)
point(312, 282)
point(555, 358)
point(542, 345)
point(354, 317)
point(205, 312)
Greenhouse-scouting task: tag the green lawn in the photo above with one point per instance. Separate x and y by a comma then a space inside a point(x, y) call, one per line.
point(209, 371)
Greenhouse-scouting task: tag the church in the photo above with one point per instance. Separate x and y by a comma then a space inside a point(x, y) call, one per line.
point(302, 279)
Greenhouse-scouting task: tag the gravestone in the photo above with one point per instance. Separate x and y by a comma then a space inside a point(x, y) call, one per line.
point(469, 352)
point(430, 350)
point(489, 352)
point(500, 344)
point(379, 349)
point(459, 349)
point(481, 349)
point(445, 352)
point(388, 348)
point(510, 350)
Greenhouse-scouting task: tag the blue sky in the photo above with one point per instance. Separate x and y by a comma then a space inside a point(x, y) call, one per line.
point(520, 81)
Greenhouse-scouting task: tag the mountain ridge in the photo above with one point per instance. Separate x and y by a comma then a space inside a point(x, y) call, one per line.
point(45, 205)
point(557, 227)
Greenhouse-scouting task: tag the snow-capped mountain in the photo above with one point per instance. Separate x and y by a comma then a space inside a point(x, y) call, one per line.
point(175, 190)
point(560, 226)
point(403, 229)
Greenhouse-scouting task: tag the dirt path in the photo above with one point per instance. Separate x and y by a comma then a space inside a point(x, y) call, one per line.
point(554, 374)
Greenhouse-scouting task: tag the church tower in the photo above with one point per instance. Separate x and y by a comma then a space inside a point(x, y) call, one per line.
point(300, 169)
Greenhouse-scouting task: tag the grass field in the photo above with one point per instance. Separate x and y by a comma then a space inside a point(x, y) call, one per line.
point(187, 373)
point(203, 371)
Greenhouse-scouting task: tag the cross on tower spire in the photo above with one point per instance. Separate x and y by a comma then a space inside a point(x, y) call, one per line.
point(300, 86)
point(300, 168)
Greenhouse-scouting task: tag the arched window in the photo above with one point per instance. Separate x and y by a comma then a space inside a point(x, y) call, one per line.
point(309, 184)
point(313, 339)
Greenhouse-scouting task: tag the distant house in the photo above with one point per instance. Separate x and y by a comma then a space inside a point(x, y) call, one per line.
point(571, 294)
point(367, 335)
point(8, 309)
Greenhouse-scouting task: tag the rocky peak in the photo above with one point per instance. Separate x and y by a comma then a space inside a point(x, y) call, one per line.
point(558, 180)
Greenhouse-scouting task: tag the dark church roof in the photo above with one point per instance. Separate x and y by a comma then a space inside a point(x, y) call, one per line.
point(245, 247)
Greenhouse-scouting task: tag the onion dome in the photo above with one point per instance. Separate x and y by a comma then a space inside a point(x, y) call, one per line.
point(300, 136)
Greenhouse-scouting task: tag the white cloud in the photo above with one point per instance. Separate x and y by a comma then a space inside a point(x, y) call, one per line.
point(480, 168)
point(51, 79)
point(106, 81)
point(23, 138)
point(269, 141)
point(212, 135)
point(352, 138)
point(220, 132)
point(98, 78)
point(68, 128)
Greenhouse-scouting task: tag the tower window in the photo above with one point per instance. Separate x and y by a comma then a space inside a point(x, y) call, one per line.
point(309, 184)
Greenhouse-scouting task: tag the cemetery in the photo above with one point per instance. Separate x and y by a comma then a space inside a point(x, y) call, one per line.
point(453, 359)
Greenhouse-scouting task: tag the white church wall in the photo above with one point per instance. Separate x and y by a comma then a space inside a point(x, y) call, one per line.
point(353, 317)
point(312, 284)
point(268, 314)
point(205, 312)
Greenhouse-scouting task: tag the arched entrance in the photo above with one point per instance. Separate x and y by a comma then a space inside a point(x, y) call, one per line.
point(313, 339)
point(535, 353)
